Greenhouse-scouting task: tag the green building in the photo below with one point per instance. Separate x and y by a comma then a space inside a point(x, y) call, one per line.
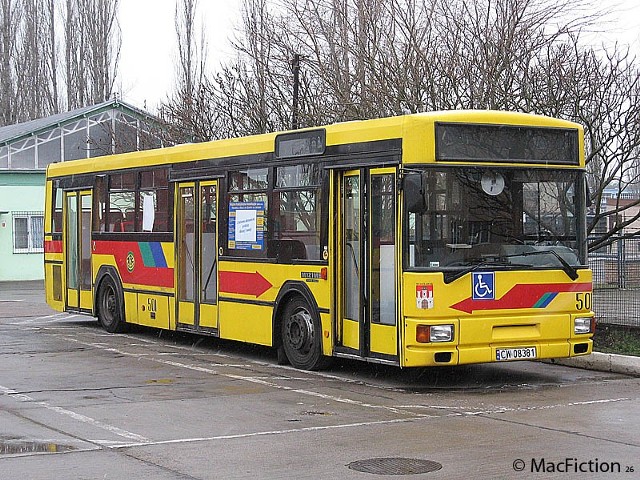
point(25, 151)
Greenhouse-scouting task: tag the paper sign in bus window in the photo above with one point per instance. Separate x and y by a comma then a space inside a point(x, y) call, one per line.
point(148, 212)
point(246, 225)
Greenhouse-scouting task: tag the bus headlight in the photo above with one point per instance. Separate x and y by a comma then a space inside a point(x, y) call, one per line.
point(582, 325)
point(434, 333)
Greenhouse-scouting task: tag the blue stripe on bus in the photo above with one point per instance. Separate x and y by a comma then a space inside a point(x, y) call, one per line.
point(545, 300)
point(158, 254)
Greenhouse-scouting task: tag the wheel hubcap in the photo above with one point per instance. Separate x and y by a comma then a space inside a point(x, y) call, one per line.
point(300, 331)
point(110, 304)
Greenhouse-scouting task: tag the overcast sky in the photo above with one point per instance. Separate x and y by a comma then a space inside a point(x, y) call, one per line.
point(148, 55)
point(146, 71)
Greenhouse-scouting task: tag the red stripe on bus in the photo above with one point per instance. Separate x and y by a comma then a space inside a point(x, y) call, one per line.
point(131, 266)
point(53, 246)
point(520, 296)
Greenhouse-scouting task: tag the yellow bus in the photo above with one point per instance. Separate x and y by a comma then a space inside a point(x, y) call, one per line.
point(440, 238)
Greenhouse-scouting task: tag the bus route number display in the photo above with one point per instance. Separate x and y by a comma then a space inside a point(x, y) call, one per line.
point(300, 144)
point(246, 225)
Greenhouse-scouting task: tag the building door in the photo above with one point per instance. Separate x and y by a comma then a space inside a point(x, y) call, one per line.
point(368, 264)
point(78, 251)
point(197, 253)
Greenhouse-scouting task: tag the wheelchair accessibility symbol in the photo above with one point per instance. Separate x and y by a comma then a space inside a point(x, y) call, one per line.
point(483, 285)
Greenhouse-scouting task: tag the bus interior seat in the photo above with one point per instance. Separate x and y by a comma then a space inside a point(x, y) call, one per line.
point(286, 250)
point(116, 218)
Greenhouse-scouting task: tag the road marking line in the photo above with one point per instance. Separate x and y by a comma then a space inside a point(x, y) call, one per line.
point(397, 409)
point(243, 378)
point(76, 416)
point(73, 450)
point(266, 433)
point(464, 411)
point(45, 319)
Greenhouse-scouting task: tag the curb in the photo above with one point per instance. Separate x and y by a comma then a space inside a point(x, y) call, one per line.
point(603, 362)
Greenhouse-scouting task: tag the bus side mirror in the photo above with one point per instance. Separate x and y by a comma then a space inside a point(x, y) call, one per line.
point(414, 192)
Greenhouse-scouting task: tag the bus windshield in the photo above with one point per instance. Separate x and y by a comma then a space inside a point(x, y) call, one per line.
point(496, 218)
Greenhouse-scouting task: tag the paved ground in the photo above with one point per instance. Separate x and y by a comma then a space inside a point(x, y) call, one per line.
point(152, 405)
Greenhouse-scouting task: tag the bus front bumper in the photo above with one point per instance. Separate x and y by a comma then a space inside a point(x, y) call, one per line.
point(497, 340)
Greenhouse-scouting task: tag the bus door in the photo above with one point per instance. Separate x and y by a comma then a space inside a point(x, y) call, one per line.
point(197, 254)
point(78, 250)
point(368, 264)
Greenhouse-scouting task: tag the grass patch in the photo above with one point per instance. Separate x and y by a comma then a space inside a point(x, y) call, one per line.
point(617, 339)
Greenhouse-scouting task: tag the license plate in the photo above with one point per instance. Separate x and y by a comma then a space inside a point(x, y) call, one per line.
point(506, 354)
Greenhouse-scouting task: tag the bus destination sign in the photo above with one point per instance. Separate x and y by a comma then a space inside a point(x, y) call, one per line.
point(300, 144)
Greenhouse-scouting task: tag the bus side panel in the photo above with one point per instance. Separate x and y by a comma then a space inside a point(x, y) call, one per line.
point(131, 307)
point(245, 322)
point(54, 278)
point(54, 282)
point(141, 274)
point(248, 292)
point(135, 265)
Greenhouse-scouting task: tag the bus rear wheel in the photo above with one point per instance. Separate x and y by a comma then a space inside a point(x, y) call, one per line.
point(301, 338)
point(110, 313)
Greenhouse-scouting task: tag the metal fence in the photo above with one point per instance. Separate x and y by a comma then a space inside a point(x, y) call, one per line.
point(616, 282)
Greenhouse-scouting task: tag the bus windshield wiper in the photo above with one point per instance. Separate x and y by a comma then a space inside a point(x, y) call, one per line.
point(451, 276)
point(571, 271)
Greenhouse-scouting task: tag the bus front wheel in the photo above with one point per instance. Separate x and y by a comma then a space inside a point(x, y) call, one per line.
point(110, 306)
point(301, 336)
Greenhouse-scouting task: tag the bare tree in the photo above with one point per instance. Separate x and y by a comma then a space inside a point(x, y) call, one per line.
point(372, 58)
point(187, 112)
point(53, 58)
point(92, 50)
point(185, 23)
point(10, 16)
point(32, 83)
point(76, 87)
point(35, 62)
point(99, 21)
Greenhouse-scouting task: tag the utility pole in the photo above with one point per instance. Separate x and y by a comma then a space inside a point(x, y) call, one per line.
point(295, 66)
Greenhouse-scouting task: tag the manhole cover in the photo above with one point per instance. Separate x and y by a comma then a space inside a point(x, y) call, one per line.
point(395, 466)
point(15, 446)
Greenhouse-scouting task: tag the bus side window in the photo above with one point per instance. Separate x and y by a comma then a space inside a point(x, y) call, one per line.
point(57, 211)
point(296, 213)
point(152, 209)
point(100, 204)
point(121, 200)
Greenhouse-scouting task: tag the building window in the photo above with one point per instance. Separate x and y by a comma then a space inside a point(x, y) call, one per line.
point(28, 232)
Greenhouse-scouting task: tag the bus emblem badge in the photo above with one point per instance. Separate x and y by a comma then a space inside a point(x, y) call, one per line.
point(483, 286)
point(131, 262)
point(424, 296)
